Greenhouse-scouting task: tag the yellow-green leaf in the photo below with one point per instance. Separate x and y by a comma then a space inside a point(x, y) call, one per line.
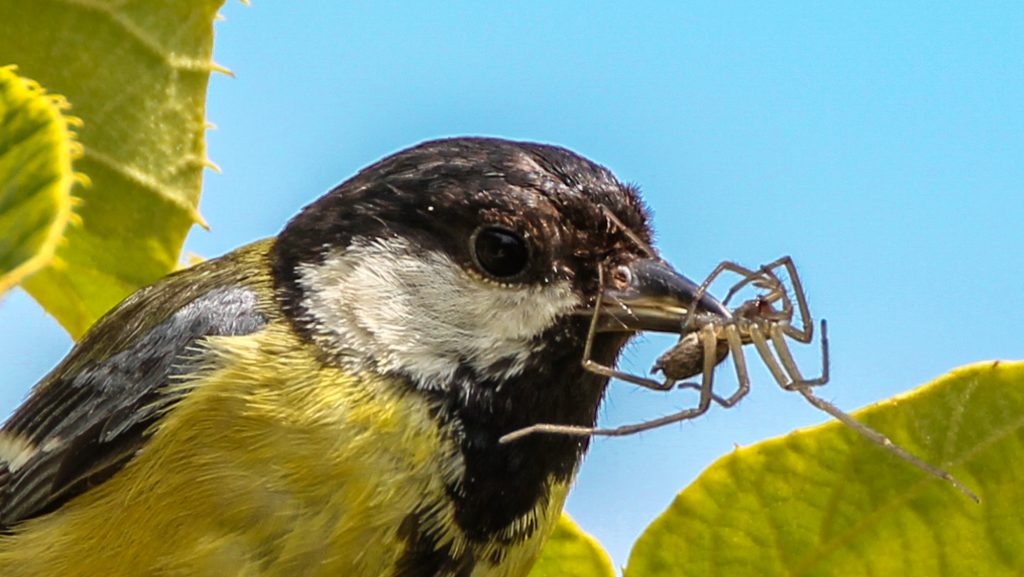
point(569, 552)
point(36, 148)
point(824, 501)
point(137, 74)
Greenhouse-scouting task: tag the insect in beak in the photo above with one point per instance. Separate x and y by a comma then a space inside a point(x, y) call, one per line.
point(649, 295)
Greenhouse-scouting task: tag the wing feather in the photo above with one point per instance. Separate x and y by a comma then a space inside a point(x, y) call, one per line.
point(90, 416)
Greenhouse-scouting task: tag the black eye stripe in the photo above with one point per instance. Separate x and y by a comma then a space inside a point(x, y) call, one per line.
point(499, 252)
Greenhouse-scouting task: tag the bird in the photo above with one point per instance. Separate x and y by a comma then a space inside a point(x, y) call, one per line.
point(331, 400)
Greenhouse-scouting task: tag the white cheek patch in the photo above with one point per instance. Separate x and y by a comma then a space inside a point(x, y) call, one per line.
point(382, 303)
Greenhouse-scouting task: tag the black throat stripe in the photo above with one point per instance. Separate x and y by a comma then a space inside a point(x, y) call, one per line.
point(504, 482)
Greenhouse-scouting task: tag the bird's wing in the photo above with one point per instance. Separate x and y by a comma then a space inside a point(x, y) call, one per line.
point(91, 415)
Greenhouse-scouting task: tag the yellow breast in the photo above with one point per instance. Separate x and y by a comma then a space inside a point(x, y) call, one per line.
point(267, 468)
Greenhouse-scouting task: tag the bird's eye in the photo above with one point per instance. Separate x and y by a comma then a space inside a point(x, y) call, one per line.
point(499, 252)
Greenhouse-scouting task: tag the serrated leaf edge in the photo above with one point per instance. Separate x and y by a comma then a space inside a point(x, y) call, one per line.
point(56, 105)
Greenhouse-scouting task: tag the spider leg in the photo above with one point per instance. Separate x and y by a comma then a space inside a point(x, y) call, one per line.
point(825, 362)
point(718, 400)
point(777, 292)
point(786, 357)
point(767, 279)
point(803, 386)
point(736, 349)
point(574, 430)
point(639, 242)
point(750, 276)
point(606, 371)
point(722, 267)
point(883, 441)
point(732, 335)
point(697, 386)
point(740, 362)
point(757, 337)
point(806, 332)
point(708, 337)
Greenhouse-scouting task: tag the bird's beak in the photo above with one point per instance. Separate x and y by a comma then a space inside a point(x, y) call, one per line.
point(655, 298)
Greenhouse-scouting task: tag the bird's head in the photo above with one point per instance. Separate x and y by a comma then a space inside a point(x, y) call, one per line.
point(468, 269)
point(469, 266)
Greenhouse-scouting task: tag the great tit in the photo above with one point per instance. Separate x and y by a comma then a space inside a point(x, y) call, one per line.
point(330, 401)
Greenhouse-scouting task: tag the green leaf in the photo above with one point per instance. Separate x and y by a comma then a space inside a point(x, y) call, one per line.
point(36, 148)
point(824, 501)
point(569, 552)
point(136, 74)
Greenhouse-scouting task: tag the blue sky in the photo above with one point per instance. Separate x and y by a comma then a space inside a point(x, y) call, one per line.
point(881, 145)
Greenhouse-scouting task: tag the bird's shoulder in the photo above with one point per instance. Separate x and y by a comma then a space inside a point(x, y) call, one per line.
point(89, 416)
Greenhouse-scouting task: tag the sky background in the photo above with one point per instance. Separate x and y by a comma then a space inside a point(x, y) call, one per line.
point(881, 145)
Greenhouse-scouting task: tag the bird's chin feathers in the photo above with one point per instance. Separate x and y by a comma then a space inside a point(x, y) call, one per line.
point(385, 305)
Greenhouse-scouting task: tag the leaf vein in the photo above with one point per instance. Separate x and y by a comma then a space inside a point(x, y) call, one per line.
point(143, 180)
point(144, 38)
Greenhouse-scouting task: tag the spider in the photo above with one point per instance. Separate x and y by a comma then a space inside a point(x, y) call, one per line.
point(766, 321)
